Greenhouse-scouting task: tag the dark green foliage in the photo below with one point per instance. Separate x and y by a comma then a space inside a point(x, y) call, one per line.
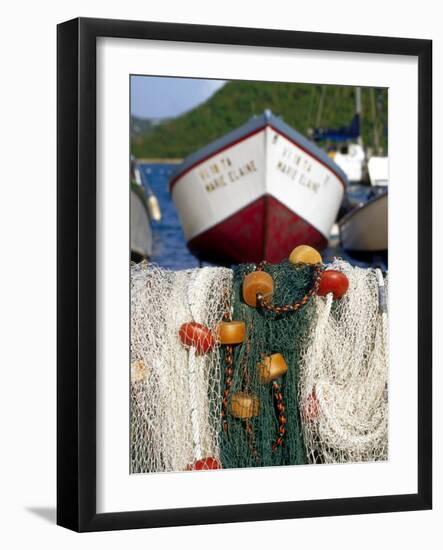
point(268, 333)
point(238, 101)
point(144, 126)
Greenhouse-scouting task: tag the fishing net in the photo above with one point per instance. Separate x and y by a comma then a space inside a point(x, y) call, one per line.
point(329, 404)
point(175, 393)
point(344, 373)
point(255, 441)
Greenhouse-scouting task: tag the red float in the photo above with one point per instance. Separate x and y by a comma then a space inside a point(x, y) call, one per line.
point(311, 408)
point(208, 463)
point(333, 281)
point(196, 335)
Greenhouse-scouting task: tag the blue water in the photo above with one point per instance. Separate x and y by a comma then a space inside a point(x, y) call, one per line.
point(169, 245)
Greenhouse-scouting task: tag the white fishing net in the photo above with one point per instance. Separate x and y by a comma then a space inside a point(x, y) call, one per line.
point(344, 373)
point(175, 393)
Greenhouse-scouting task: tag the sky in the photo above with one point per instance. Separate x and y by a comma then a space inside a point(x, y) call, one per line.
point(160, 97)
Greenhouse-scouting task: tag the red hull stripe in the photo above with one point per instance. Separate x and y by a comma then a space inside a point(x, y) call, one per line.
point(246, 136)
point(264, 230)
point(260, 198)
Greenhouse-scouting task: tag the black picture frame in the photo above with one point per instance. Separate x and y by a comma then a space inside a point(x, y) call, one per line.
point(76, 274)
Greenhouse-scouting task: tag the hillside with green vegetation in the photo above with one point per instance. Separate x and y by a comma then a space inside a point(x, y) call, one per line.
point(302, 106)
point(144, 126)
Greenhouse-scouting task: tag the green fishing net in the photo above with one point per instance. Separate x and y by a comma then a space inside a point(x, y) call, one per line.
point(251, 442)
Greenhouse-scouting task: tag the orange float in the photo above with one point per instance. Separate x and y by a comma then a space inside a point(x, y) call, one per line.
point(311, 408)
point(231, 332)
point(209, 463)
point(196, 335)
point(271, 367)
point(244, 405)
point(333, 281)
point(257, 282)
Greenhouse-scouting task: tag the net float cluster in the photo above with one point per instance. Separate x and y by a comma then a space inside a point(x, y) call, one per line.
point(259, 365)
point(258, 290)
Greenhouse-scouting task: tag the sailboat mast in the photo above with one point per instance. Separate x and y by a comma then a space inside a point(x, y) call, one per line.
point(320, 106)
point(358, 112)
point(374, 123)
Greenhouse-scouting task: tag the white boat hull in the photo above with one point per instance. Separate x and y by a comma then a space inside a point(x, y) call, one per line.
point(365, 228)
point(141, 232)
point(263, 186)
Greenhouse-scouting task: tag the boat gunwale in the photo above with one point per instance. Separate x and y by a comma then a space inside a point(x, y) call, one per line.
point(255, 126)
point(139, 193)
point(361, 207)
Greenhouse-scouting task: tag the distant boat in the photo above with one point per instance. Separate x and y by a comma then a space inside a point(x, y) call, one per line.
point(256, 193)
point(365, 227)
point(345, 145)
point(144, 209)
point(378, 168)
point(352, 161)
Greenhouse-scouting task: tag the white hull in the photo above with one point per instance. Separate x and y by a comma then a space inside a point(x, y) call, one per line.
point(141, 232)
point(365, 229)
point(378, 168)
point(264, 163)
point(352, 162)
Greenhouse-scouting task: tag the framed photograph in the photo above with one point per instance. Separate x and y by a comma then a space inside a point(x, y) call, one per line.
point(244, 274)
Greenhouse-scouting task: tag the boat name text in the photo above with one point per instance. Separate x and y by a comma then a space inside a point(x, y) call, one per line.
point(222, 172)
point(298, 169)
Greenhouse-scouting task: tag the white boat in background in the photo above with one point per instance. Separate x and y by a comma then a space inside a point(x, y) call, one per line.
point(144, 208)
point(256, 193)
point(141, 232)
point(350, 154)
point(365, 227)
point(378, 169)
point(352, 162)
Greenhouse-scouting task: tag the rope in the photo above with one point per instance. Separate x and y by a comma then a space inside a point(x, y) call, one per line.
point(262, 302)
point(274, 437)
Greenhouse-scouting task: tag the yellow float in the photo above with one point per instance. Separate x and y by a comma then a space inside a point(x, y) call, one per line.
point(305, 254)
point(138, 371)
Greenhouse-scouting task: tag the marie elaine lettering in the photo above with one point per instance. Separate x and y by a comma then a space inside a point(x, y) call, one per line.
point(223, 172)
point(297, 167)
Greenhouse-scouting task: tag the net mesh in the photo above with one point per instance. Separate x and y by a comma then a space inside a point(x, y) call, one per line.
point(344, 373)
point(175, 393)
point(329, 406)
point(251, 442)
